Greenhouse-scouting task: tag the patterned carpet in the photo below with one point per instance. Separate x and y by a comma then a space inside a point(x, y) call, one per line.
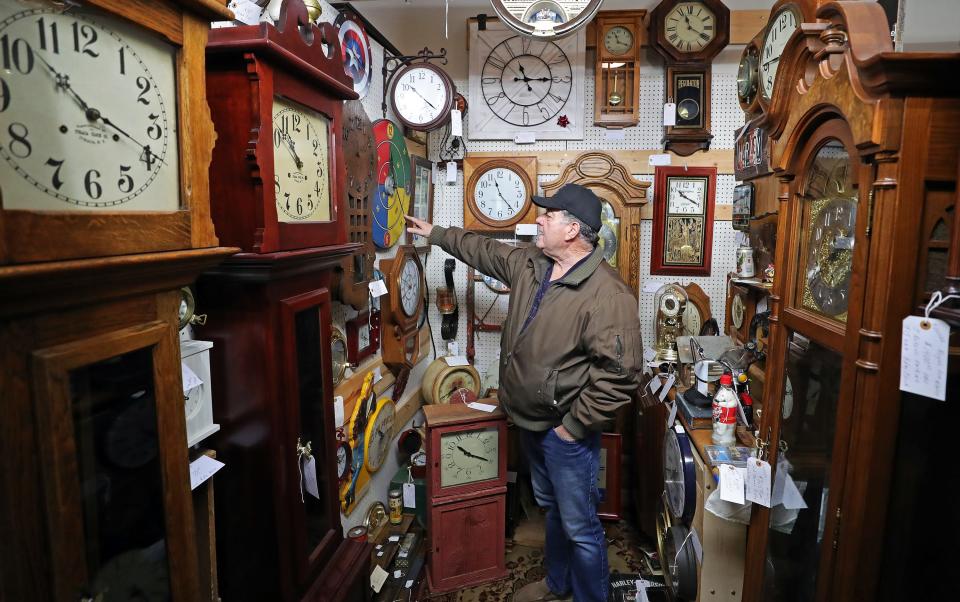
point(526, 566)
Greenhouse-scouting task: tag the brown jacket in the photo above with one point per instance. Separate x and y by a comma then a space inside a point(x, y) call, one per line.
point(581, 357)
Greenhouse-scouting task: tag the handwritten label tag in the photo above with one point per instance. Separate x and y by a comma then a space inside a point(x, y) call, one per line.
point(759, 483)
point(378, 577)
point(654, 385)
point(202, 469)
point(672, 417)
point(451, 172)
point(483, 407)
point(669, 114)
point(310, 476)
point(731, 484)
point(409, 495)
point(923, 357)
point(190, 378)
point(667, 386)
point(377, 288)
point(338, 411)
point(456, 123)
point(525, 230)
point(457, 360)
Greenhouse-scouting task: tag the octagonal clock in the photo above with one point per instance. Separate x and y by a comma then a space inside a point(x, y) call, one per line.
point(402, 307)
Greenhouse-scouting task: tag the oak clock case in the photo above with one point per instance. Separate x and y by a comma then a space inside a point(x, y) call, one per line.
point(498, 192)
point(466, 495)
point(683, 220)
point(282, 190)
point(76, 156)
point(616, 101)
point(522, 85)
point(402, 307)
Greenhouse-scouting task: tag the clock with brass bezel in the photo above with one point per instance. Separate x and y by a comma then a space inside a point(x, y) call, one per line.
point(402, 307)
point(498, 192)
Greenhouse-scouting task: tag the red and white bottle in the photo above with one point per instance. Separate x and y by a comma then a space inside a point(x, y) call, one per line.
point(725, 413)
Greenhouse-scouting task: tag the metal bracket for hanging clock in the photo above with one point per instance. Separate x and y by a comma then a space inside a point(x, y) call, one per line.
point(392, 63)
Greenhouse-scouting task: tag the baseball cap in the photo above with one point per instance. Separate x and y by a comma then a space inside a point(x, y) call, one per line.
point(578, 200)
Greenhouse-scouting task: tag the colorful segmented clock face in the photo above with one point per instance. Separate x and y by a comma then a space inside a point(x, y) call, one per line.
point(392, 198)
point(356, 53)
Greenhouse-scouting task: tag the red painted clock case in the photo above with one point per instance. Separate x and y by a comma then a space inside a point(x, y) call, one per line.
point(657, 265)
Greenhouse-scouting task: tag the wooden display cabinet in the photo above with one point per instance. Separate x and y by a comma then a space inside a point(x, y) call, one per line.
point(865, 149)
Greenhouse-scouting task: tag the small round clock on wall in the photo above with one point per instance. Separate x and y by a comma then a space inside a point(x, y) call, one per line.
point(499, 191)
point(422, 95)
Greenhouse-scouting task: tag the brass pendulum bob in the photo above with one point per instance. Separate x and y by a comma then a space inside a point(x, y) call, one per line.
point(614, 98)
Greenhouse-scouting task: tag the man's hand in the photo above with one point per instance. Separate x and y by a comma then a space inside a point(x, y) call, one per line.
point(564, 434)
point(418, 226)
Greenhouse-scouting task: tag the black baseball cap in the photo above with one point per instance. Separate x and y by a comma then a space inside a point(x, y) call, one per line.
point(578, 200)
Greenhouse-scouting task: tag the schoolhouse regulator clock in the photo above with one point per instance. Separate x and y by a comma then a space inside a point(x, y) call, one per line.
point(402, 307)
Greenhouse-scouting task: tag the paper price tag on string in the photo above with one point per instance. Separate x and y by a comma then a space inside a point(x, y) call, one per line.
point(378, 577)
point(310, 477)
point(451, 172)
point(731, 484)
point(759, 484)
point(377, 288)
point(202, 469)
point(338, 411)
point(669, 114)
point(456, 123)
point(190, 378)
point(924, 351)
point(409, 495)
point(667, 386)
point(673, 413)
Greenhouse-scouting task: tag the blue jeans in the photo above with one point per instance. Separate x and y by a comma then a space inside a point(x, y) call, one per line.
point(564, 476)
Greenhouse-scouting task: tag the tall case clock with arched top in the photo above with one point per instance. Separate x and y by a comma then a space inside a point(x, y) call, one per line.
point(278, 177)
point(862, 178)
point(104, 216)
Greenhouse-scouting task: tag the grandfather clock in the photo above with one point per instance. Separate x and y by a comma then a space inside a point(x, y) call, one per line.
point(866, 155)
point(278, 182)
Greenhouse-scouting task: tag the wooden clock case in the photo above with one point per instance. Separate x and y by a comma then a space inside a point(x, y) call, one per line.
point(660, 210)
point(273, 392)
point(897, 115)
point(624, 76)
point(474, 166)
point(400, 335)
point(81, 292)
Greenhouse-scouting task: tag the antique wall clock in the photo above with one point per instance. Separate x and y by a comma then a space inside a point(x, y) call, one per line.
point(359, 157)
point(379, 435)
point(402, 307)
point(780, 27)
point(523, 85)
point(748, 77)
point(441, 381)
point(391, 200)
point(285, 190)
point(466, 495)
point(422, 95)
point(683, 220)
point(498, 192)
point(546, 18)
point(689, 34)
point(616, 100)
point(74, 155)
point(357, 54)
point(697, 310)
point(363, 336)
point(670, 302)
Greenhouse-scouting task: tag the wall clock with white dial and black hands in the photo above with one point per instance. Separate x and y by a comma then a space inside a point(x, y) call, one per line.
point(518, 83)
point(422, 95)
point(498, 191)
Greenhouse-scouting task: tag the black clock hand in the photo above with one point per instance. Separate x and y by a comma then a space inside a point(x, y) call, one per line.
point(773, 60)
point(470, 455)
point(292, 148)
point(498, 191)
point(417, 92)
point(688, 198)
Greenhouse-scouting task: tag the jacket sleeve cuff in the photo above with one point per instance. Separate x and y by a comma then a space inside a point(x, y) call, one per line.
point(436, 235)
point(574, 426)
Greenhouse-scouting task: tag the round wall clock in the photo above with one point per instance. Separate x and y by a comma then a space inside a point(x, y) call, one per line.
point(679, 476)
point(689, 26)
point(88, 110)
point(422, 95)
point(188, 306)
point(357, 56)
point(681, 563)
point(344, 459)
point(392, 197)
point(779, 29)
point(546, 18)
point(618, 40)
point(737, 310)
point(379, 434)
point(498, 192)
point(748, 76)
point(338, 354)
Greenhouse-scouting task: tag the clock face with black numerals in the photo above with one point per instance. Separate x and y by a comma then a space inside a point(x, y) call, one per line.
point(88, 113)
point(522, 84)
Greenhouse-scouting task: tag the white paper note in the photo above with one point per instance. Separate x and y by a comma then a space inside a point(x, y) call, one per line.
point(641, 587)
point(792, 498)
point(483, 407)
point(758, 483)
point(456, 360)
point(409, 495)
point(672, 416)
point(651, 286)
point(456, 123)
point(666, 386)
point(659, 160)
point(615, 134)
point(310, 476)
point(654, 384)
point(190, 378)
point(524, 138)
point(394, 538)
point(378, 577)
point(338, 411)
point(397, 574)
point(245, 11)
point(731, 484)
point(525, 230)
point(377, 288)
point(451, 172)
point(923, 357)
point(669, 114)
point(202, 469)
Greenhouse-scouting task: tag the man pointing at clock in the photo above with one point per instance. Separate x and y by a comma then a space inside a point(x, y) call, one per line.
point(570, 356)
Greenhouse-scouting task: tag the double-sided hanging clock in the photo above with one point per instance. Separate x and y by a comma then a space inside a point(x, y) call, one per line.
point(391, 200)
point(683, 220)
point(689, 34)
point(422, 95)
point(522, 85)
point(498, 192)
point(357, 55)
point(402, 307)
point(546, 18)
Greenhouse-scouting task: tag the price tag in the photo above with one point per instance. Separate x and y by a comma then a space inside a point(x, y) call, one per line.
point(652, 286)
point(641, 586)
point(338, 411)
point(458, 360)
point(377, 288)
point(731, 484)
point(525, 230)
point(483, 407)
point(453, 348)
point(456, 123)
point(654, 385)
point(378, 577)
point(397, 574)
point(759, 483)
point(310, 476)
point(666, 386)
point(190, 378)
point(923, 357)
point(615, 135)
point(451, 172)
point(525, 138)
point(669, 114)
point(673, 413)
point(409, 495)
point(245, 11)
point(202, 469)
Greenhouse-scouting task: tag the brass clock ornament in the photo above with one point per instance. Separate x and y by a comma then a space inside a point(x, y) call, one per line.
point(498, 192)
point(683, 220)
point(670, 302)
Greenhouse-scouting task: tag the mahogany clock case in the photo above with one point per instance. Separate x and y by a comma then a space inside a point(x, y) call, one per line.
point(247, 68)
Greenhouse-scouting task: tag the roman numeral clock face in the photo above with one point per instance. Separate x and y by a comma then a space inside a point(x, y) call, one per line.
point(690, 26)
point(87, 113)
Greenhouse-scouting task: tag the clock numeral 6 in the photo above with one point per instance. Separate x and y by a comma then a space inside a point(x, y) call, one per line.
point(91, 185)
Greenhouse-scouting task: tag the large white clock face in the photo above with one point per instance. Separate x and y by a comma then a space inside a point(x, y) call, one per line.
point(692, 320)
point(783, 24)
point(686, 196)
point(500, 194)
point(690, 26)
point(469, 456)
point(88, 113)
point(421, 95)
point(410, 287)
point(301, 163)
point(618, 40)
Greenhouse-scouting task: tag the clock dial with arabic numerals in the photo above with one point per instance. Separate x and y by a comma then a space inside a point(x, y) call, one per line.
point(526, 82)
point(87, 113)
point(781, 27)
point(300, 163)
point(410, 287)
point(501, 194)
point(469, 456)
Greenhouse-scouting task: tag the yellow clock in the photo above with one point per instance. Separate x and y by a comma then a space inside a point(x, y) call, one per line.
point(301, 161)
point(378, 435)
